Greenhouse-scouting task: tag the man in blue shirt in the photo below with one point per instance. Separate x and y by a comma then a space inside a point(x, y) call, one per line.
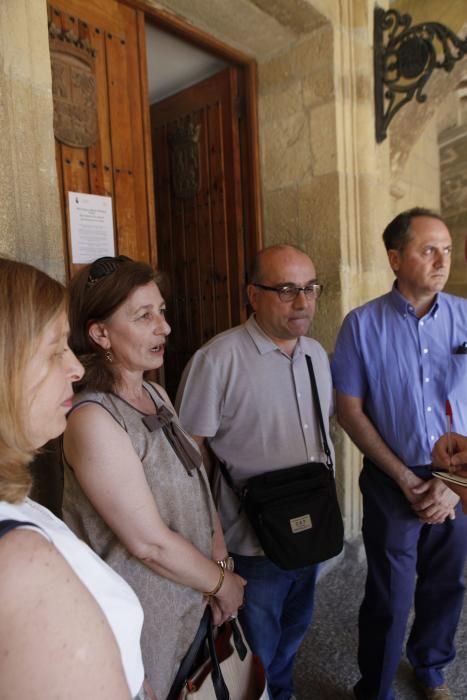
point(394, 367)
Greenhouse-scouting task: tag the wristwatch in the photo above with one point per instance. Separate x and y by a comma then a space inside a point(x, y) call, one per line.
point(227, 564)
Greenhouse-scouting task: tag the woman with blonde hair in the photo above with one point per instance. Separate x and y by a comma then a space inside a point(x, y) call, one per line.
point(69, 625)
point(135, 488)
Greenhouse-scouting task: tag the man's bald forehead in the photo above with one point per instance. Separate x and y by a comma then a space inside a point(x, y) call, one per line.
point(269, 254)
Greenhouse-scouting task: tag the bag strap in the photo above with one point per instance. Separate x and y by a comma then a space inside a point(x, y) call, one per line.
point(188, 661)
point(314, 391)
point(220, 688)
point(205, 632)
point(226, 474)
point(8, 525)
point(238, 640)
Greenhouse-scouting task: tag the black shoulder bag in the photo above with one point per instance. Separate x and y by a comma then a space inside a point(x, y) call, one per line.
point(294, 511)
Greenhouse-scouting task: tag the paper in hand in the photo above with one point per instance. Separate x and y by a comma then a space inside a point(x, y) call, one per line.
point(452, 478)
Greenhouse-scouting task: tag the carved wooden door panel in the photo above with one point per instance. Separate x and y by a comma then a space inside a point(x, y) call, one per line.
point(101, 120)
point(196, 156)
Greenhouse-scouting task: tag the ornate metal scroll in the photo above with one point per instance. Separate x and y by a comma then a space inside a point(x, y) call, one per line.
point(73, 88)
point(185, 159)
point(404, 59)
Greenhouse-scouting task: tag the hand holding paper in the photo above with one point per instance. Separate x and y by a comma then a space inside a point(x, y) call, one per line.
point(450, 453)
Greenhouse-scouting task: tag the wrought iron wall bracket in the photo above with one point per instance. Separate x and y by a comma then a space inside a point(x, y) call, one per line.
point(404, 59)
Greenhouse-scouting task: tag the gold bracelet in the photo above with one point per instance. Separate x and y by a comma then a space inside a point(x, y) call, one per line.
point(218, 585)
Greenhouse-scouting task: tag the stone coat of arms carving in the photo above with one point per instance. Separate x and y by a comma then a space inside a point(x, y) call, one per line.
point(73, 88)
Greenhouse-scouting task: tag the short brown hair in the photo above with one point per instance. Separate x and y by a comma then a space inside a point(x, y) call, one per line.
point(396, 235)
point(29, 300)
point(96, 292)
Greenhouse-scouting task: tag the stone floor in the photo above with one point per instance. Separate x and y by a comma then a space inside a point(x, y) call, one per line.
point(326, 666)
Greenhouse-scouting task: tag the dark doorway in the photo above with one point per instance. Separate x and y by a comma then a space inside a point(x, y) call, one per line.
point(207, 228)
point(199, 213)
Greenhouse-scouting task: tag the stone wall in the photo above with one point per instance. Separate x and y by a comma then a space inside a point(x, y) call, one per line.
point(327, 185)
point(453, 150)
point(418, 184)
point(318, 159)
point(299, 159)
point(30, 218)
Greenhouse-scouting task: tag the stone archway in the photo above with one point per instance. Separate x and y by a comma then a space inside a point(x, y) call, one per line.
point(317, 151)
point(322, 172)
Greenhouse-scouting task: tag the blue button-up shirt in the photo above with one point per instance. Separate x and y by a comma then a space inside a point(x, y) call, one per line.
point(404, 368)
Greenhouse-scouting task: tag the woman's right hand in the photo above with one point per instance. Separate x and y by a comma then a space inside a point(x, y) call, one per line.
point(230, 596)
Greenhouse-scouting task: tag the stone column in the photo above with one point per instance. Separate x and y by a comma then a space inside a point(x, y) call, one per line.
point(30, 217)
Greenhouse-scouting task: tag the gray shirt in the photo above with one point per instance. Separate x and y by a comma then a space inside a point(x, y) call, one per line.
point(254, 404)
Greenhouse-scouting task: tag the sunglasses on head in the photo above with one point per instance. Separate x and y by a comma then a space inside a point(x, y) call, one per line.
point(103, 267)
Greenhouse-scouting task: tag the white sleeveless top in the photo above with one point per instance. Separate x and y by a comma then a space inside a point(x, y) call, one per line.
point(114, 596)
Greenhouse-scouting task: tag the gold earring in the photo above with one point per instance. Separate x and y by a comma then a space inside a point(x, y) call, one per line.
point(108, 356)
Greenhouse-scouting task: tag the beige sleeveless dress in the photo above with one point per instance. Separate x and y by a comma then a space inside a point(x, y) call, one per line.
point(172, 611)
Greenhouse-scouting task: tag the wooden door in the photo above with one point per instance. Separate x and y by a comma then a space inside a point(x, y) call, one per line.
point(118, 162)
point(197, 177)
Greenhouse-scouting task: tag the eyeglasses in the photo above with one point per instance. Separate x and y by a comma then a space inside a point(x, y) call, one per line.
point(103, 267)
point(289, 292)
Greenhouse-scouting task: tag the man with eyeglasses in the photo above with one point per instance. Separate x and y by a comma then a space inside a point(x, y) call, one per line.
point(398, 359)
point(246, 398)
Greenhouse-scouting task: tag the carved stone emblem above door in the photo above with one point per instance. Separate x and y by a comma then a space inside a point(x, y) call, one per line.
point(184, 159)
point(73, 88)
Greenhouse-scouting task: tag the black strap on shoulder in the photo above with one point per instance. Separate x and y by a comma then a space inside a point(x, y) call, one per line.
point(226, 474)
point(314, 390)
point(240, 493)
point(7, 525)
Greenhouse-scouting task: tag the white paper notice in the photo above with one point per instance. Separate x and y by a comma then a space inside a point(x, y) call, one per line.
point(91, 227)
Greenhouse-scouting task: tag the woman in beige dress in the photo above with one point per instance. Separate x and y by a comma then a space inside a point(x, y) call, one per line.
point(135, 489)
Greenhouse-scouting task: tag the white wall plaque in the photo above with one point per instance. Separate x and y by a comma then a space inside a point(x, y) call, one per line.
point(91, 227)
